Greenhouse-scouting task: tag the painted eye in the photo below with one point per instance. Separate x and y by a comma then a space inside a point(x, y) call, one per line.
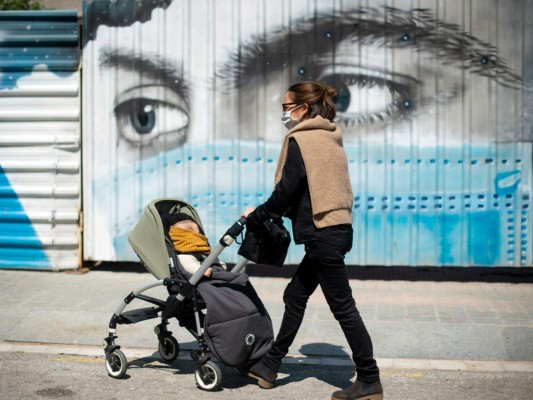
point(363, 98)
point(144, 115)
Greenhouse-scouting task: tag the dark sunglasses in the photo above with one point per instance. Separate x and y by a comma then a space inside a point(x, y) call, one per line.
point(286, 106)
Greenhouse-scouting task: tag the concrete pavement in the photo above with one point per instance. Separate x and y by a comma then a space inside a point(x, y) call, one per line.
point(84, 377)
point(413, 324)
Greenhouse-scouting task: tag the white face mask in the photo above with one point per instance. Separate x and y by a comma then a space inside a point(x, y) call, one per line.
point(287, 120)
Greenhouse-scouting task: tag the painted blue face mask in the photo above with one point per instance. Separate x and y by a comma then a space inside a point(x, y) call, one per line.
point(288, 121)
point(487, 215)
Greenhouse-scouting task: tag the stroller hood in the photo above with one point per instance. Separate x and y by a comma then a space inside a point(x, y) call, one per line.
point(147, 237)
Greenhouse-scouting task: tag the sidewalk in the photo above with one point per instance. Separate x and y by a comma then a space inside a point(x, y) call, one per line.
point(428, 325)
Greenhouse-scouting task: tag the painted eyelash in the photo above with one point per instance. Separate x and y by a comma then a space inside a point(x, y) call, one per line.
point(232, 73)
point(368, 81)
point(448, 41)
point(392, 113)
point(417, 28)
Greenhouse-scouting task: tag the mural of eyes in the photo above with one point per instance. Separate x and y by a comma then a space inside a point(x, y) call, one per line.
point(144, 114)
point(369, 97)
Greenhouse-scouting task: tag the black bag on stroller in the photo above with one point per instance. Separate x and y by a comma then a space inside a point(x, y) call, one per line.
point(266, 243)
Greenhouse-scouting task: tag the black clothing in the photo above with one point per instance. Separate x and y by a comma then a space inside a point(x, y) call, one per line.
point(323, 264)
point(290, 198)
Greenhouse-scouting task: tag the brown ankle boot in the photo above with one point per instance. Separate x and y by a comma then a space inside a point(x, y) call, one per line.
point(360, 391)
point(264, 375)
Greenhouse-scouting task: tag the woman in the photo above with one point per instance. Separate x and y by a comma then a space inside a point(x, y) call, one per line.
point(312, 188)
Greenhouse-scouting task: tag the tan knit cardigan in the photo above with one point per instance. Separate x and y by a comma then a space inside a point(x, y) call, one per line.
point(326, 165)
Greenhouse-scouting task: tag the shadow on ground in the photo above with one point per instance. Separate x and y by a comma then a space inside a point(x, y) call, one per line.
point(232, 378)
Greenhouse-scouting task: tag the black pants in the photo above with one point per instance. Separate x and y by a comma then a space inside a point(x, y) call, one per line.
point(323, 265)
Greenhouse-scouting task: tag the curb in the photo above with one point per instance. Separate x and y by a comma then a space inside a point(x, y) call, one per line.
point(384, 363)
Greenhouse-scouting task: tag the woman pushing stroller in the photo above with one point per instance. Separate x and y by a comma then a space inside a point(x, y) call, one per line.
point(313, 189)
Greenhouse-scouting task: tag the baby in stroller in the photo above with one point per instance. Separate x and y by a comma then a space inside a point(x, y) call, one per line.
point(191, 245)
point(221, 309)
point(192, 248)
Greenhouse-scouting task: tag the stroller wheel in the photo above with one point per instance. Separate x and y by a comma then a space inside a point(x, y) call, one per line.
point(169, 348)
point(116, 364)
point(208, 376)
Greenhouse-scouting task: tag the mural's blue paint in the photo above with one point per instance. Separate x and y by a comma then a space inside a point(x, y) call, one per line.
point(19, 245)
point(28, 39)
point(33, 41)
point(507, 182)
point(484, 242)
point(402, 216)
point(481, 236)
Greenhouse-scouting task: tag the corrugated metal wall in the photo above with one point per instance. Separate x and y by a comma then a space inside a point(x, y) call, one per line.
point(183, 100)
point(40, 155)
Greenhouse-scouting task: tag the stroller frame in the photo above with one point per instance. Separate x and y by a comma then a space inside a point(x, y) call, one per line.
point(207, 374)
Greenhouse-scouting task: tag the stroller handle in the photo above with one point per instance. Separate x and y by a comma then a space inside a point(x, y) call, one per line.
point(232, 233)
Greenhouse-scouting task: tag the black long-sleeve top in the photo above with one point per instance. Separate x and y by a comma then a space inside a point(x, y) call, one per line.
point(290, 198)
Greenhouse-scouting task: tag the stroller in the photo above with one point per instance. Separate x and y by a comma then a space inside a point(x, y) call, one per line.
point(224, 314)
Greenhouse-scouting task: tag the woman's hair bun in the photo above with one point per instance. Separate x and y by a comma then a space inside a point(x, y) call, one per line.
point(330, 91)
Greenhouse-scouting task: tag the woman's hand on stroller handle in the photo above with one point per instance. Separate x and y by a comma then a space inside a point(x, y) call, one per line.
point(247, 211)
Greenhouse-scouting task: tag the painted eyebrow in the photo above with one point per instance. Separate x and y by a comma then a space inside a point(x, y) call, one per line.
point(155, 68)
point(387, 27)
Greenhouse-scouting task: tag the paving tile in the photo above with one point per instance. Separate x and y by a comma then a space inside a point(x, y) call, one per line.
point(462, 342)
point(472, 321)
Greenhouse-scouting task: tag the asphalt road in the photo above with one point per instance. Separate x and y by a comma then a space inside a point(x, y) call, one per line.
point(60, 376)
